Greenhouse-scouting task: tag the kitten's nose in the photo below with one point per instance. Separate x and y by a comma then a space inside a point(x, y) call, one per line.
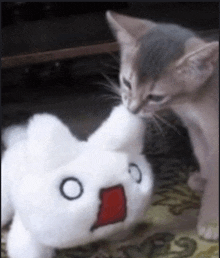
point(134, 107)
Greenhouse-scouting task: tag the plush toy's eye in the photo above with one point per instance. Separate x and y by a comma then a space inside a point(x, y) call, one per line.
point(135, 172)
point(71, 188)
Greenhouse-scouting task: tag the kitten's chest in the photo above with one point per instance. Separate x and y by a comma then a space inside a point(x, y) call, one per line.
point(190, 115)
point(201, 115)
point(200, 120)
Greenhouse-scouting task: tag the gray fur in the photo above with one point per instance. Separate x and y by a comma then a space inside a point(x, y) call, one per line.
point(162, 45)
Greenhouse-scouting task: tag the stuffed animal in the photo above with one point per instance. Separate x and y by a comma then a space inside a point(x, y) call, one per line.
point(60, 192)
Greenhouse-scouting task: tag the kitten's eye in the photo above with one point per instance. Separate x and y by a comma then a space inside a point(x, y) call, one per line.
point(127, 83)
point(155, 98)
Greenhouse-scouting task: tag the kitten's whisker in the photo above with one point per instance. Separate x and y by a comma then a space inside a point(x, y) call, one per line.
point(108, 79)
point(110, 97)
point(115, 57)
point(110, 65)
point(113, 84)
point(158, 126)
point(110, 88)
point(164, 121)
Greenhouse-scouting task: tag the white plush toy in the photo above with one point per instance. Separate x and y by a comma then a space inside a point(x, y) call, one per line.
point(60, 192)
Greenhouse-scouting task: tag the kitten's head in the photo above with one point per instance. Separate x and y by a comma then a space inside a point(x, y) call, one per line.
point(161, 64)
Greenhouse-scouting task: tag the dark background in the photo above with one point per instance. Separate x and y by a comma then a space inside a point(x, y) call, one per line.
point(36, 27)
point(195, 14)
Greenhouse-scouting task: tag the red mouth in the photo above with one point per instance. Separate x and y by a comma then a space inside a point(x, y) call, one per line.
point(112, 208)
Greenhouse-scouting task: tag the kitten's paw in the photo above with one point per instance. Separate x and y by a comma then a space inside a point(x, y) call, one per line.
point(196, 182)
point(209, 230)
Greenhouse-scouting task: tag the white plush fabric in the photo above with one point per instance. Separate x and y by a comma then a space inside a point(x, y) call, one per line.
point(60, 192)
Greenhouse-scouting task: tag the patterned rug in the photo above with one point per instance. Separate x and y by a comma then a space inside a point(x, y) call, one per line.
point(169, 230)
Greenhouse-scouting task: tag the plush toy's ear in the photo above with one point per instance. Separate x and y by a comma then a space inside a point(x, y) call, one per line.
point(127, 29)
point(122, 131)
point(50, 142)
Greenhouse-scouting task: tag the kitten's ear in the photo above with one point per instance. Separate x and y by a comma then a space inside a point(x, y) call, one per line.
point(197, 66)
point(127, 29)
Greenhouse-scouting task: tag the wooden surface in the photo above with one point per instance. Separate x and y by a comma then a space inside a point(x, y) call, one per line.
point(47, 56)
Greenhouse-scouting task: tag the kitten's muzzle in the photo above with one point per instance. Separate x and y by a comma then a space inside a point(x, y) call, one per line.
point(135, 108)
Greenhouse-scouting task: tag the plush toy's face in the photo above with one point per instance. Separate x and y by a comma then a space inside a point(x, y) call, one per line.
point(94, 196)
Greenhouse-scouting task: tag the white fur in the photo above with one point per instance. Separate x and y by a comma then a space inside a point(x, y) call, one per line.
point(122, 131)
point(34, 168)
point(13, 134)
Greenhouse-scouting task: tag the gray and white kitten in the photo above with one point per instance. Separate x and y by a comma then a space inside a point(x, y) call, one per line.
point(168, 66)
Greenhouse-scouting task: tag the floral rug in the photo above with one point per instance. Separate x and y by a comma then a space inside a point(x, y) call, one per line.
point(170, 228)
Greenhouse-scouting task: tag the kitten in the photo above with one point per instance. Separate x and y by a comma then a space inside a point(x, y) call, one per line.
point(168, 66)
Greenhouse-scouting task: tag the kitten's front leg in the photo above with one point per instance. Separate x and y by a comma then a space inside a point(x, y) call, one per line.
point(21, 244)
point(208, 223)
point(206, 181)
point(196, 182)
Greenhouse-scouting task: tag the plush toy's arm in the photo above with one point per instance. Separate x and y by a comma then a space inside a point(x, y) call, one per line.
point(7, 210)
point(22, 244)
point(10, 137)
point(12, 168)
point(14, 134)
point(120, 131)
